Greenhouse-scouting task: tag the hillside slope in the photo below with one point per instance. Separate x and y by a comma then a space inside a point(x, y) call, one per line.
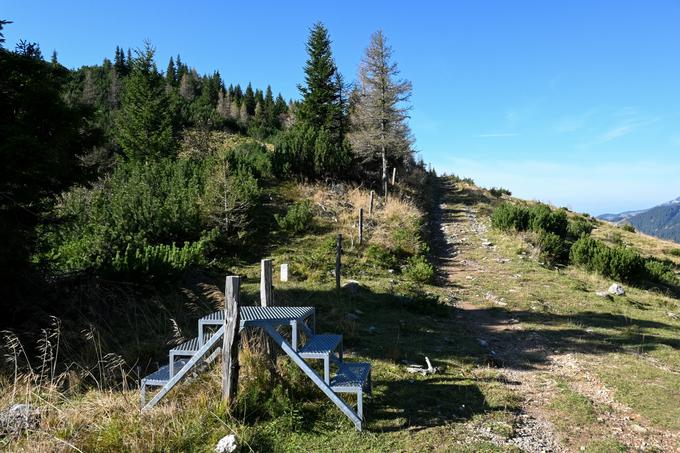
point(661, 221)
point(530, 358)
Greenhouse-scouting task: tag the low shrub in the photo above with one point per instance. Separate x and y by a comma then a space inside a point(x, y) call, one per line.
point(661, 272)
point(298, 218)
point(674, 252)
point(553, 248)
point(499, 192)
point(418, 269)
point(543, 218)
point(579, 227)
point(158, 260)
point(509, 216)
point(380, 257)
point(628, 227)
point(620, 263)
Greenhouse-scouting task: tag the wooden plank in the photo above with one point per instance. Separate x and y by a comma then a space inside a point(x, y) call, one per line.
point(230, 366)
point(266, 284)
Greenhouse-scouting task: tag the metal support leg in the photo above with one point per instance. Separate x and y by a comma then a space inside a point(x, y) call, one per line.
point(360, 404)
point(294, 335)
point(171, 365)
point(200, 334)
point(327, 370)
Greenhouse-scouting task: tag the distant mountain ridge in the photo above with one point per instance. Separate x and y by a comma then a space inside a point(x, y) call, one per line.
point(662, 221)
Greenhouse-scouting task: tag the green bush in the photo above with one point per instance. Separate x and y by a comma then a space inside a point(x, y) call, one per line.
point(674, 252)
point(620, 263)
point(579, 227)
point(160, 260)
point(553, 249)
point(543, 218)
point(380, 257)
point(499, 192)
point(298, 218)
point(661, 272)
point(138, 206)
point(418, 269)
point(509, 216)
point(628, 227)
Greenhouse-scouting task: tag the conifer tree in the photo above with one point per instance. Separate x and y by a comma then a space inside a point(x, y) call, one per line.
point(171, 73)
point(224, 104)
point(249, 100)
point(320, 94)
point(144, 122)
point(235, 110)
point(186, 86)
point(380, 132)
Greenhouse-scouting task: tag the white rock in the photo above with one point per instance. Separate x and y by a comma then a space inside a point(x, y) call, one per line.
point(616, 290)
point(602, 293)
point(227, 444)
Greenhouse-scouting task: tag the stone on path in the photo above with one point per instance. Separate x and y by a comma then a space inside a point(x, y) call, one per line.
point(616, 290)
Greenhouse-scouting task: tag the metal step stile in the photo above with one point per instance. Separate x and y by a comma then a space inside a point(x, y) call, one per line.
point(350, 377)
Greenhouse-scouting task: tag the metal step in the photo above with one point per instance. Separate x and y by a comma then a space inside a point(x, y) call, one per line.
point(189, 348)
point(351, 377)
point(320, 346)
point(161, 376)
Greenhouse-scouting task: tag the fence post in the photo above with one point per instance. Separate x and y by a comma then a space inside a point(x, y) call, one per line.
point(394, 174)
point(370, 205)
point(284, 272)
point(232, 321)
point(266, 293)
point(338, 253)
point(267, 300)
point(361, 226)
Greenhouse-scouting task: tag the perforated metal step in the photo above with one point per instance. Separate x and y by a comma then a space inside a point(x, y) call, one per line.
point(320, 346)
point(161, 376)
point(352, 376)
point(189, 348)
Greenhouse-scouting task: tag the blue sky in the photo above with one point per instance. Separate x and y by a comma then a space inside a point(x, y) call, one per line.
point(577, 104)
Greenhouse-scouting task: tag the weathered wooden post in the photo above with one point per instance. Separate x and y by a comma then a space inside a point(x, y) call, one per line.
point(361, 226)
point(266, 288)
point(232, 323)
point(284, 272)
point(370, 205)
point(394, 175)
point(338, 253)
point(267, 300)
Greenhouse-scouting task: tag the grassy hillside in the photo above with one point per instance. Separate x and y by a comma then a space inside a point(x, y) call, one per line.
point(530, 356)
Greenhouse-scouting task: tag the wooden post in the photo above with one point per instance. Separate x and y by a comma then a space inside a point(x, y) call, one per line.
point(266, 293)
point(232, 324)
point(361, 226)
point(267, 300)
point(370, 206)
point(394, 174)
point(338, 253)
point(284, 272)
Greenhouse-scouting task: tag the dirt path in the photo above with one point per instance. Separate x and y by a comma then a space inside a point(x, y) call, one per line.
point(528, 364)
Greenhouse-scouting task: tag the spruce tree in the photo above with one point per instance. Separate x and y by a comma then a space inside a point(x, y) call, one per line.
point(320, 94)
point(144, 122)
point(380, 132)
point(170, 73)
point(249, 99)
